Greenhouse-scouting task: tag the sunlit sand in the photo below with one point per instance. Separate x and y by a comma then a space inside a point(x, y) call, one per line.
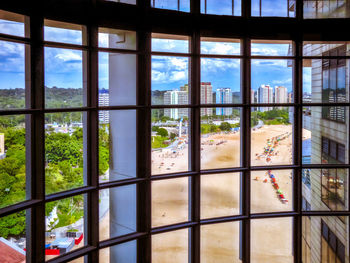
point(221, 197)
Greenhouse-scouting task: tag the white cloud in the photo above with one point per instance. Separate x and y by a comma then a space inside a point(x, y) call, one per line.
point(282, 82)
point(221, 48)
point(68, 55)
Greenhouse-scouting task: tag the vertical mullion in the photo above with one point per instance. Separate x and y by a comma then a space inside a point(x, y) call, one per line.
point(195, 148)
point(246, 8)
point(299, 12)
point(245, 149)
point(92, 210)
point(297, 151)
point(143, 126)
point(35, 219)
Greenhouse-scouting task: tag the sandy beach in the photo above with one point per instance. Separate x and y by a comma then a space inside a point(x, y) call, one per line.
point(220, 196)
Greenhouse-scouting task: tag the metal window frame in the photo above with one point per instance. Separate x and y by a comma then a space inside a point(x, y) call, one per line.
point(145, 20)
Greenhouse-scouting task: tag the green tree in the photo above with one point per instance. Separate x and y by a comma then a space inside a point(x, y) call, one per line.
point(162, 132)
point(225, 126)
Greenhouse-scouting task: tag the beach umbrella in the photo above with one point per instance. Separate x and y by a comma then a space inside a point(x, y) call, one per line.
point(272, 176)
point(273, 180)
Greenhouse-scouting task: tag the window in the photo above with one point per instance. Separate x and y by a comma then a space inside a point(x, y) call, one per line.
point(172, 131)
point(326, 8)
point(333, 88)
point(333, 249)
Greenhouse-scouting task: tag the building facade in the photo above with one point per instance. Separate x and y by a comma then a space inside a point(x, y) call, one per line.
point(103, 100)
point(206, 98)
point(265, 95)
point(325, 238)
point(224, 96)
point(176, 97)
point(281, 95)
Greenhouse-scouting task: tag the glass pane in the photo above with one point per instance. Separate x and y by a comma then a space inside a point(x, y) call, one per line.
point(325, 135)
point(271, 191)
point(122, 253)
point(63, 32)
point(331, 195)
point(132, 2)
point(332, 242)
point(117, 79)
point(220, 195)
point(64, 151)
point(117, 211)
point(170, 247)
point(220, 81)
point(170, 80)
point(78, 260)
point(63, 78)
point(326, 9)
point(220, 138)
point(12, 159)
point(324, 80)
point(115, 139)
point(64, 226)
point(272, 48)
point(272, 81)
point(13, 238)
point(223, 7)
point(170, 140)
point(170, 43)
point(325, 48)
point(179, 5)
point(12, 24)
point(116, 38)
point(220, 242)
point(272, 135)
point(278, 8)
point(169, 201)
point(272, 240)
point(12, 75)
point(220, 46)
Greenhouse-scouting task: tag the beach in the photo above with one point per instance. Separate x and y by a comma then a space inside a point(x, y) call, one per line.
point(220, 196)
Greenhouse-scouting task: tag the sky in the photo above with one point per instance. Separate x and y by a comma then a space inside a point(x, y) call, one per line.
point(63, 67)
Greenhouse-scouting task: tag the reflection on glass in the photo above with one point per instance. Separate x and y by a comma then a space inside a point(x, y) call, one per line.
point(220, 46)
point(12, 75)
point(178, 5)
point(63, 32)
point(170, 247)
point(277, 8)
point(271, 191)
point(325, 137)
point(63, 151)
point(170, 43)
point(272, 48)
point(64, 226)
point(170, 140)
point(117, 208)
point(220, 81)
point(225, 7)
point(220, 137)
point(170, 78)
point(220, 195)
point(331, 195)
point(12, 160)
point(117, 79)
point(326, 9)
point(272, 240)
point(125, 252)
point(114, 139)
point(333, 239)
point(116, 38)
point(272, 135)
point(169, 201)
point(13, 238)
point(63, 78)
point(272, 81)
point(12, 24)
point(220, 242)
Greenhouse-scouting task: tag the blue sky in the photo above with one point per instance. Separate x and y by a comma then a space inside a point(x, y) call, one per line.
point(63, 67)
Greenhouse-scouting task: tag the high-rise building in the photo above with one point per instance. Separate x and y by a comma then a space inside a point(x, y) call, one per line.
point(281, 95)
point(176, 97)
point(265, 95)
point(206, 98)
point(224, 96)
point(103, 100)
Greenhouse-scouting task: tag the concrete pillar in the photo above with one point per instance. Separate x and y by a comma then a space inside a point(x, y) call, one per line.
point(122, 91)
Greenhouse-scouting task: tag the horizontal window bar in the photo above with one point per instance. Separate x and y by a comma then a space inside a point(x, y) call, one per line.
point(72, 255)
point(121, 183)
point(16, 39)
point(222, 219)
point(116, 50)
point(172, 176)
point(121, 239)
point(65, 45)
point(18, 207)
point(69, 193)
point(168, 228)
point(278, 214)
